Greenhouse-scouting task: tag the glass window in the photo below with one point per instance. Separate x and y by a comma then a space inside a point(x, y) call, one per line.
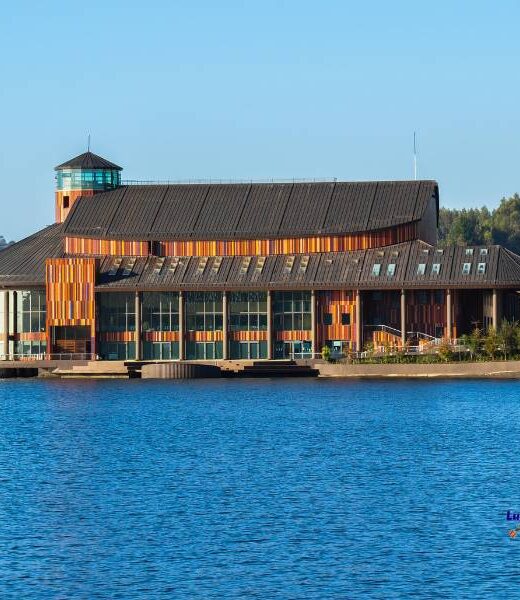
point(436, 268)
point(345, 318)
point(376, 269)
point(466, 268)
point(481, 269)
point(390, 269)
point(421, 268)
point(469, 251)
point(327, 318)
point(292, 311)
point(483, 251)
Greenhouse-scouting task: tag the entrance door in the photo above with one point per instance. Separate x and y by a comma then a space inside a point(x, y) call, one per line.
point(71, 340)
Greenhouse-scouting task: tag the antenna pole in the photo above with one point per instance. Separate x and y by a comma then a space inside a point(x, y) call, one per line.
point(414, 158)
point(88, 143)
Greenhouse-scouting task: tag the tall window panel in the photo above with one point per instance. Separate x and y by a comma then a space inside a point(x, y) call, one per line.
point(204, 325)
point(292, 324)
point(30, 322)
point(248, 325)
point(116, 311)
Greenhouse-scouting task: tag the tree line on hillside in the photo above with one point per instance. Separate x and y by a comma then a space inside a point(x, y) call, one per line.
point(475, 226)
point(3, 243)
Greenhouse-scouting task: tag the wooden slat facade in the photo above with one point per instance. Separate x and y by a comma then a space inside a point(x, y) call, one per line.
point(336, 303)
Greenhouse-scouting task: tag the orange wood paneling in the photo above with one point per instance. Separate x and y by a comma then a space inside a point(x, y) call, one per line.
point(70, 284)
point(302, 245)
point(92, 247)
point(205, 336)
point(161, 336)
point(335, 303)
point(248, 336)
point(60, 211)
point(303, 335)
point(117, 336)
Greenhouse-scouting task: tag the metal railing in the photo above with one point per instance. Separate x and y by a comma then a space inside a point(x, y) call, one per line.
point(206, 181)
point(53, 356)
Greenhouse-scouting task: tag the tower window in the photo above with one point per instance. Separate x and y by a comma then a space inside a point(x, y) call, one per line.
point(65, 202)
point(345, 318)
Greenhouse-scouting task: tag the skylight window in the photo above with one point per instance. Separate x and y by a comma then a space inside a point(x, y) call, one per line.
point(481, 268)
point(304, 263)
point(174, 264)
point(390, 269)
point(129, 267)
point(483, 252)
point(289, 264)
point(425, 251)
point(421, 268)
point(216, 264)
point(380, 253)
point(202, 265)
point(466, 268)
point(395, 253)
point(158, 266)
point(115, 267)
point(260, 262)
point(376, 269)
point(469, 251)
point(436, 268)
point(246, 261)
point(440, 250)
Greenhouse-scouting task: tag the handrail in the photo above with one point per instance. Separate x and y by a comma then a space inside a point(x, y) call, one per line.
point(205, 181)
point(52, 356)
point(386, 328)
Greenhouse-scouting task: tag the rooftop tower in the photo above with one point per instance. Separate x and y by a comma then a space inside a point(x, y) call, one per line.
point(84, 175)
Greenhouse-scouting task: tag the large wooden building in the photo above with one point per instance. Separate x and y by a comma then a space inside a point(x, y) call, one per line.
point(242, 270)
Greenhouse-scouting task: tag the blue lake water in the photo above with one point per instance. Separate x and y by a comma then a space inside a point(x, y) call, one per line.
point(258, 489)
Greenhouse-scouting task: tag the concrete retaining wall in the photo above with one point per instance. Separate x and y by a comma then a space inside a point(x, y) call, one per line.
point(179, 371)
point(478, 370)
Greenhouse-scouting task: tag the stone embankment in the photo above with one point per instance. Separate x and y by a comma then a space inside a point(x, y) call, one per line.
point(459, 370)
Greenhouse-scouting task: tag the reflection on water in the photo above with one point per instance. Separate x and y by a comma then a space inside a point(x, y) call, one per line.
point(267, 489)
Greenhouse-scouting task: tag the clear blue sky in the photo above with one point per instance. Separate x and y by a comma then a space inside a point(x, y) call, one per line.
point(271, 88)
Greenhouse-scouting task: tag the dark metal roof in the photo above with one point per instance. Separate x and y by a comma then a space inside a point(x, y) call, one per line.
point(240, 211)
point(334, 270)
point(23, 263)
point(88, 160)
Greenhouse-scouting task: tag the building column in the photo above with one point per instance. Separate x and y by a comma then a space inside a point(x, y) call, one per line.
point(181, 326)
point(138, 328)
point(449, 315)
point(313, 323)
point(14, 329)
point(403, 319)
point(359, 326)
point(225, 342)
point(495, 309)
point(269, 325)
point(5, 335)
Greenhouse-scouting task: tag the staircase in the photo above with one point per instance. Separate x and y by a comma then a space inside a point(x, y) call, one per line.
point(95, 369)
point(266, 368)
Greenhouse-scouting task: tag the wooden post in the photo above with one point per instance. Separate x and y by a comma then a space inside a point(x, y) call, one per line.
point(313, 324)
point(5, 335)
point(495, 309)
point(403, 319)
point(225, 344)
point(359, 326)
point(181, 326)
point(449, 315)
point(269, 325)
point(137, 325)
